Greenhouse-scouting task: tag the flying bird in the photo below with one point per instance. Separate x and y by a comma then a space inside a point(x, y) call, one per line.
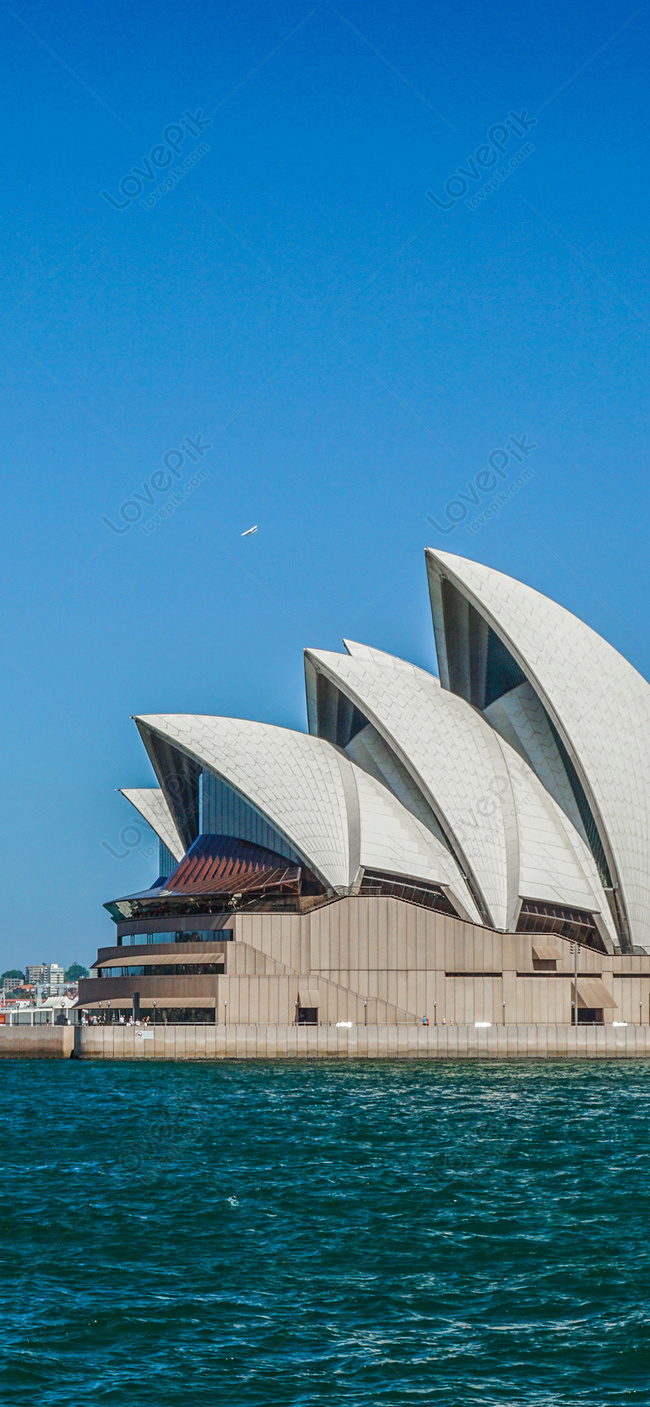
point(249, 531)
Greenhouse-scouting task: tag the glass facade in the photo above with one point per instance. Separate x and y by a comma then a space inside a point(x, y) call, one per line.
point(166, 862)
point(429, 896)
point(137, 940)
point(156, 1016)
point(182, 969)
point(223, 811)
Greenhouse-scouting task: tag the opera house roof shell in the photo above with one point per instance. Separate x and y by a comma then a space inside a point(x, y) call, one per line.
point(513, 790)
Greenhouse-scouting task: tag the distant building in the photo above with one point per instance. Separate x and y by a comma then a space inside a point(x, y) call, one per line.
point(48, 975)
point(10, 984)
point(56, 978)
point(36, 973)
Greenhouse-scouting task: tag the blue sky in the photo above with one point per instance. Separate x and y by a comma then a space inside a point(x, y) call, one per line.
point(353, 353)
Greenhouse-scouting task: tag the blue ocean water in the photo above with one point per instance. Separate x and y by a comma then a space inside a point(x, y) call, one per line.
point(325, 1234)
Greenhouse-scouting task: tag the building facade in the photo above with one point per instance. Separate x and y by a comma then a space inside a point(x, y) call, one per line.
point(473, 846)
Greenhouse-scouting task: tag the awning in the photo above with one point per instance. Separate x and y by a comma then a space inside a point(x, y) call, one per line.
point(546, 952)
point(193, 959)
point(309, 997)
point(593, 993)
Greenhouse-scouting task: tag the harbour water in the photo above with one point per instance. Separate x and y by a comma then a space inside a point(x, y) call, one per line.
point(468, 1235)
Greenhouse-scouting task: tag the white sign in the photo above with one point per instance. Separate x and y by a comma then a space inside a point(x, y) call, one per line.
point(144, 1035)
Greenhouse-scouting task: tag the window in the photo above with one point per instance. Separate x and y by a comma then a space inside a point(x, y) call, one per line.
point(430, 896)
point(210, 935)
point(178, 969)
point(575, 924)
point(588, 1016)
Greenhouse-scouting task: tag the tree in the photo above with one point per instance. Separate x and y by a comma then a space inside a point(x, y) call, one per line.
point(75, 972)
point(13, 972)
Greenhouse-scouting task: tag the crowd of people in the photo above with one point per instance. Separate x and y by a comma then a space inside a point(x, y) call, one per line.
point(105, 1018)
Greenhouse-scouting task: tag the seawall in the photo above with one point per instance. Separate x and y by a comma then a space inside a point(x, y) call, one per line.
point(404, 1042)
point(37, 1042)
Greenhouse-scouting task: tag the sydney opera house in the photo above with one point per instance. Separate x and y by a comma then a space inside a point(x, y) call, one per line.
point(468, 848)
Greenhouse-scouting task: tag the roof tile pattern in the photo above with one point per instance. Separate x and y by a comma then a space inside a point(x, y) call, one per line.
point(516, 839)
point(599, 703)
point(297, 787)
point(555, 864)
point(393, 840)
point(451, 753)
point(317, 798)
point(151, 804)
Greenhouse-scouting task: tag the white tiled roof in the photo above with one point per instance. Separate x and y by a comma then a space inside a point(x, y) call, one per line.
point(296, 786)
point(153, 808)
point(335, 815)
point(599, 704)
point(368, 652)
point(395, 841)
point(513, 837)
point(554, 862)
point(448, 750)
point(432, 789)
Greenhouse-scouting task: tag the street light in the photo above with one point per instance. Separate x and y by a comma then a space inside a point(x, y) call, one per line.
point(575, 984)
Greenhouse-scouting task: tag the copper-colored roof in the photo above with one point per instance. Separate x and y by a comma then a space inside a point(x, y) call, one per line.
point(217, 864)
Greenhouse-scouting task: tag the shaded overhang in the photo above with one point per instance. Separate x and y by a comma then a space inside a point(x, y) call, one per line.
point(593, 994)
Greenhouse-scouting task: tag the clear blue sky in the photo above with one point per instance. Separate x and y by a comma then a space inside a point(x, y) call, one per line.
point(352, 352)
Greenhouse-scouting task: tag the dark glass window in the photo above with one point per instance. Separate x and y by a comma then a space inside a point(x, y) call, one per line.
point(430, 896)
point(178, 969)
point(210, 935)
point(502, 673)
point(574, 924)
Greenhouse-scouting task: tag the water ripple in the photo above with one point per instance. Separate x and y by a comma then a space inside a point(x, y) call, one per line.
point(344, 1234)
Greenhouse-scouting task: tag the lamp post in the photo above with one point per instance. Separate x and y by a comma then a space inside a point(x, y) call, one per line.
point(575, 984)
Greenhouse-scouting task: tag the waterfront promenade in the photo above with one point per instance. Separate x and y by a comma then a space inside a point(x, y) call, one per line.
point(260, 1042)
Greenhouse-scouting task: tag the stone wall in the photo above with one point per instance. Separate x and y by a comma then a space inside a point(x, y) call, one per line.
point(36, 1042)
point(401, 1042)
